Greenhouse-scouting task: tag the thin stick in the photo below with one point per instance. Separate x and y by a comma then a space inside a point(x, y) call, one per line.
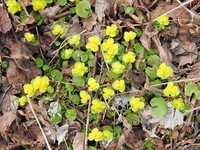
point(87, 123)
point(38, 122)
point(183, 4)
point(184, 80)
point(191, 110)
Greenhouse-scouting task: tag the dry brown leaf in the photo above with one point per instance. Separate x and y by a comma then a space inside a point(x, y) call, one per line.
point(195, 71)
point(26, 2)
point(6, 120)
point(49, 12)
point(78, 143)
point(100, 7)
point(187, 59)
point(113, 145)
point(89, 22)
point(5, 22)
point(17, 77)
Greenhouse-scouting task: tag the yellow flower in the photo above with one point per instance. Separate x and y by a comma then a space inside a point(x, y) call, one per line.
point(57, 29)
point(75, 39)
point(44, 84)
point(163, 21)
point(95, 135)
point(171, 89)
point(117, 67)
point(79, 69)
point(92, 84)
point(119, 85)
point(128, 36)
point(36, 82)
point(112, 30)
point(29, 90)
point(13, 6)
point(93, 43)
point(136, 104)
point(22, 101)
point(38, 4)
point(84, 96)
point(107, 135)
point(164, 71)
point(109, 49)
point(178, 103)
point(108, 93)
point(29, 37)
point(66, 53)
point(97, 106)
point(129, 57)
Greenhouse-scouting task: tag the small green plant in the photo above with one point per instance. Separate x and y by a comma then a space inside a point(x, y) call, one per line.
point(83, 8)
point(70, 114)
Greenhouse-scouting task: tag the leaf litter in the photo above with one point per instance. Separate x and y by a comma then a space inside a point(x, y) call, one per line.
point(177, 46)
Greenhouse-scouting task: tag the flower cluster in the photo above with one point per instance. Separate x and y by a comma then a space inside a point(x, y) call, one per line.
point(129, 57)
point(99, 136)
point(136, 104)
point(117, 67)
point(112, 30)
point(178, 104)
point(128, 36)
point(38, 84)
point(66, 53)
point(39, 4)
point(13, 6)
point(108, 93)
point(84, 96)
point(57, 29)
point(119, 85)
point(93, 85)
point(22, 101)
point(171, 89)
point(164, 71)
point(74, 40)
point(79, 69)
point(163, 21)
point(110, 49)
point(29, 37)
point(93, 43)
point(97, 106)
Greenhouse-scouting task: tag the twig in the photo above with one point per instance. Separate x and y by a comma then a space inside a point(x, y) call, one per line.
point(87, 124)
point(191, 110)
point(184, 80)
point(183, 4)
point(4, 94)
point(38, 122)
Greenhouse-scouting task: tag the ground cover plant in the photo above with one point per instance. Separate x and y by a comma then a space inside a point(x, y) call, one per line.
point(99, 74)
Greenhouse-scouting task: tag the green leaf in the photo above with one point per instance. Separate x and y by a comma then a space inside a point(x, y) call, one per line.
point(45, 67)
point(148, 144)
point(192, 88)
point(198, 118)
point(153, 60)
point(112, 75)
point(83, 8)
point(54, 112)
point(23, 16)
point(95, 117)
point(4, 64)
point(75, 99)
point(92, 148)
point(72, 10)
point(71, 115)
point(107, 127)
point(129, 10)
point(138, 48)
point(57, 75)
point(91, 62)
point(49, 1)
point(62, 2)
point(56, 118)
point(50, 89)
point(117, 129)
point(77, 55)
point(69, 87)
point(159, 106)
point(133, 119)
point(39, 62)
point(151, 72)
point(78, 80)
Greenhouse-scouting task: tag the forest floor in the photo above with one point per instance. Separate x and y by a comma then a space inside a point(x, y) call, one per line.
point(100, 74)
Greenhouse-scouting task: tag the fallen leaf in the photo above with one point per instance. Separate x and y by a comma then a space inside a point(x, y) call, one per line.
point(78, 143)
point(61, 133)
point(113, 145)
point(187, 59)
point(195, 71)
point(26, 2)
point(6, 120)
point(49, 12)
point(100, 7)
point(89, 22)
point(5, 22)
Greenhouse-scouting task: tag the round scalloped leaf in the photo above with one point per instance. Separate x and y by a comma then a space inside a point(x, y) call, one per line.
point(159, 106)
point(83, 9)
point(191, 88)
